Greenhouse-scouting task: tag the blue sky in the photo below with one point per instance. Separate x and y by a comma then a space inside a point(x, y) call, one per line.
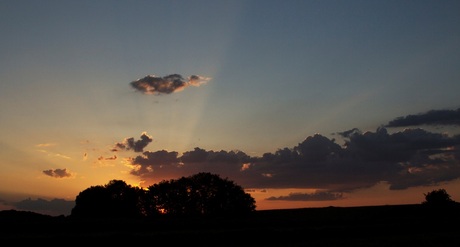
point(277, 73)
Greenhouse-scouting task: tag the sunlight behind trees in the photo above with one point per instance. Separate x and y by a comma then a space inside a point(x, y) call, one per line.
point(202, 194)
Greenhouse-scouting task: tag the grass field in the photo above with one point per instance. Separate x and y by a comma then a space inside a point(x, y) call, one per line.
point(396, 225)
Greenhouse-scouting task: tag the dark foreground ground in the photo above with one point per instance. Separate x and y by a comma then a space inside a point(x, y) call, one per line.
point(401, 225)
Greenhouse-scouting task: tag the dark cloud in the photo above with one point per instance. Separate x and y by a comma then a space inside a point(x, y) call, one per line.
point(317, 196)
point(433, 117)
point(404, 159)
point(57, 173)
point(169, 164)
point(348, 133)
point(152, 84)
point(151, 162)
point(131, 144)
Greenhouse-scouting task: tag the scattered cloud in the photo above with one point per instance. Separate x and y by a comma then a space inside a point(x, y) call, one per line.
point(131, 144)
point(58, 173)
point(433, 117)
point(402, 159)
point(152, 84)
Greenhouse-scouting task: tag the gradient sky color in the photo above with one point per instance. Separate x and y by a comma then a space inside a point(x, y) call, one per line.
point(303, 103)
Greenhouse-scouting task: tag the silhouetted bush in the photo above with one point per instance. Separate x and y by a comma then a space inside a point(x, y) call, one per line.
point(438, 198)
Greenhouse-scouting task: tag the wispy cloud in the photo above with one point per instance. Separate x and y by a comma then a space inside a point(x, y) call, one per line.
point(152, 84)
point(42, 145)
point(44, 148)
point(52, 154)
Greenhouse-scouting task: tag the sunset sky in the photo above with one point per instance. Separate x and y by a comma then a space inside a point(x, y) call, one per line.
point(302, 103)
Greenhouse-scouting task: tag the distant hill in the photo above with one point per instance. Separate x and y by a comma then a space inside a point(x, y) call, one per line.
point(12, 215)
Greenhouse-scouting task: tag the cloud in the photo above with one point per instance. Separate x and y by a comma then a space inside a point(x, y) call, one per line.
point(152, 84)
point(45, 145)
point(317, 196)
point(404, 159)
point(130, 144)
point(433, 117)
point(150, 161)
point(107, 158)
point(152, 165)
point(57, 173)
point(348, 133)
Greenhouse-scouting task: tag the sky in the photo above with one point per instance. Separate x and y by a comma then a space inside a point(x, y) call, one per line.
point(302, 103)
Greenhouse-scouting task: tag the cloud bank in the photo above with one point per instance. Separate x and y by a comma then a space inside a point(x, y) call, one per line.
point(152, 84)
point(403, 159)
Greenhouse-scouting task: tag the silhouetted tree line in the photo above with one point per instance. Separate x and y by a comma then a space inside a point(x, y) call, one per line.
point(202, 194)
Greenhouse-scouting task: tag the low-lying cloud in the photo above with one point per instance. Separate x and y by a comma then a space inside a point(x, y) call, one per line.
point(54, 207)
point(316, 196)
point(152, 84)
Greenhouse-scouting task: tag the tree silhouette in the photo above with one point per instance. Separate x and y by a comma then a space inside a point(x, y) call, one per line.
point(438, 198)
point(200, 194)
point(115, 199)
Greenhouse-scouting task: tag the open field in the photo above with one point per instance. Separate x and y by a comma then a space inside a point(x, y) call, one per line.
point(400, 225)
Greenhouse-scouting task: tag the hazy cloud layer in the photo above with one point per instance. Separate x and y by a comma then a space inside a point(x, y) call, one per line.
point(152, 84)
point(53, 207)
point(317, 196)
point(433, 117)
point(412, 157)
point(131, 144)
point(57, 173)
